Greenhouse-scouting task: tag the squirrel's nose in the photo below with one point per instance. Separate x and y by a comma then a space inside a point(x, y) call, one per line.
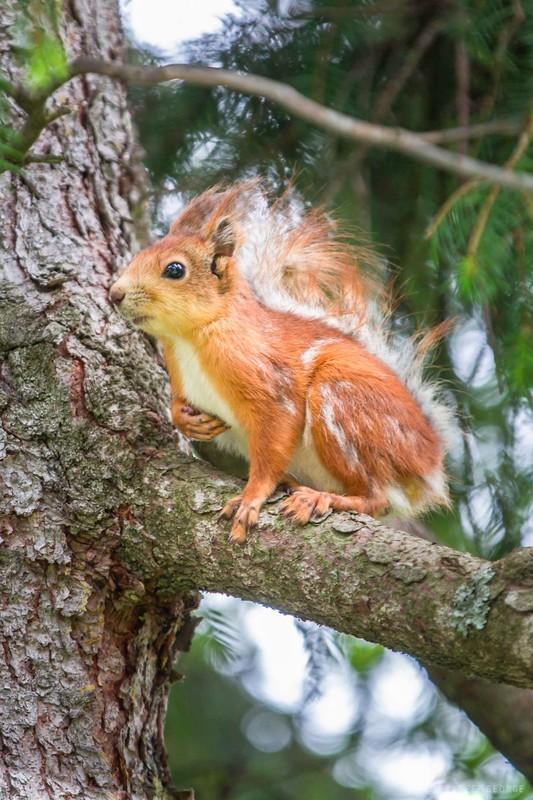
point(117, 294)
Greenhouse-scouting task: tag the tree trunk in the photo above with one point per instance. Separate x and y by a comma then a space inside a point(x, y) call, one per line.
point(87, 648)
point(106, 531)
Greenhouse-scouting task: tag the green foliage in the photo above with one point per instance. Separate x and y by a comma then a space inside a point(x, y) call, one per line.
point(39, 50)
point(46, 63)
point(42, 65)
point(10, 154)
point(362, 655)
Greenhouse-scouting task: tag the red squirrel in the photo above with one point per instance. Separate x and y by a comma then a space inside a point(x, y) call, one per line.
point(275, 350)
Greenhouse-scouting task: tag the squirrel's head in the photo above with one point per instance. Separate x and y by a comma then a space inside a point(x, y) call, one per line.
point(179, 284)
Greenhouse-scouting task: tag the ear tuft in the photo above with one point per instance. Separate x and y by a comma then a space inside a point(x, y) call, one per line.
point(224, 238)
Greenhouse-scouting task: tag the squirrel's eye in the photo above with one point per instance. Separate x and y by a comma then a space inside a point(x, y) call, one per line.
point(176, 270)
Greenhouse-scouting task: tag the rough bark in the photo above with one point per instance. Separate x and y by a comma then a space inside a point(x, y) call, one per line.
point(349, 572)
point(87, 650)
point(107, 531)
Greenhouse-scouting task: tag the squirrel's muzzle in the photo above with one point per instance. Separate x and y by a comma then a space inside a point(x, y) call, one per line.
point(116, 294)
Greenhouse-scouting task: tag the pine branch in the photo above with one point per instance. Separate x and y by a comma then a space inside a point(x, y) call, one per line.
point(37, 120)
point(411, 144)
point(385, 101)
point(452, 135)
point(481, 223)
point(418, 146)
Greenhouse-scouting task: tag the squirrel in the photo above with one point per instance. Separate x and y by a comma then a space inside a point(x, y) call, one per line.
point(276, 349)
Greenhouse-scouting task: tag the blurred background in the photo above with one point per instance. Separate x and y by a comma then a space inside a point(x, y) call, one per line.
point(274, 708)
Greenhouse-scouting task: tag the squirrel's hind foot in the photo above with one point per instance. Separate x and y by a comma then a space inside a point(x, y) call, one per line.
point(245, 513)
point(305, 504)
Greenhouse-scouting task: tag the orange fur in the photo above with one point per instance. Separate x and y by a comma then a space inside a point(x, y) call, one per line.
point(295, 395)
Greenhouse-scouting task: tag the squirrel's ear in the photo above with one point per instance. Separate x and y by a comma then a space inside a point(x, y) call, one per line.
point(223, 238)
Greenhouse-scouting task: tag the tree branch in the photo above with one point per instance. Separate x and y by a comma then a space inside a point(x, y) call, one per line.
point(495, 127)
point(349, 572)
point(411, 144)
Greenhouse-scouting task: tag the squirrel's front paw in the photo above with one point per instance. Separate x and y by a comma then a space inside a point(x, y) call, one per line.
point(197, 426)
point(246, 515)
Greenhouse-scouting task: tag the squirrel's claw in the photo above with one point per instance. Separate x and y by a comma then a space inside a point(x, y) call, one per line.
point(304, 504)
point(197, 426)
point(246, 515)
point(208, 433)
point(230, 508)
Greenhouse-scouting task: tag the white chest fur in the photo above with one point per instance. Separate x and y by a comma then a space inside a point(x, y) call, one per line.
point(199, 391)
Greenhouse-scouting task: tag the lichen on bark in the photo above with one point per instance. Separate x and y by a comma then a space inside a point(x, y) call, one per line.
point(472, 602)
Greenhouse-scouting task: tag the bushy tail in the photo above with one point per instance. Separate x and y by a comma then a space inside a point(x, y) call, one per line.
point(295, 260)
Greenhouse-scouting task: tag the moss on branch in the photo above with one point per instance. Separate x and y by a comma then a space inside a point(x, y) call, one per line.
point(349, 572)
